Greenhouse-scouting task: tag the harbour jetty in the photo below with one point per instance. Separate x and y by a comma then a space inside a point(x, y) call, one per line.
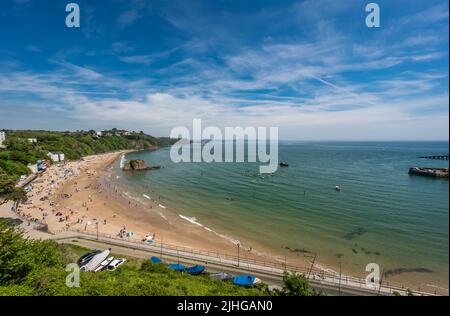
point(429, 172)
point(439, 157)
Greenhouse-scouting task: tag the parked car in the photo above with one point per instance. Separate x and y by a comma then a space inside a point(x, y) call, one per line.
point(116, 263)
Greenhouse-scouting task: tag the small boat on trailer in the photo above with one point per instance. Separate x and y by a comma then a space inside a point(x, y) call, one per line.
point(246, 280)
point(104, 264)
point(96, 261)
point(195, 270)
point(177, 267)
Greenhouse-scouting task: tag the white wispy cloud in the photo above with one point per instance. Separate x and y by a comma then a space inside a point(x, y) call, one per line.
point(325, 85)
point(328, 108)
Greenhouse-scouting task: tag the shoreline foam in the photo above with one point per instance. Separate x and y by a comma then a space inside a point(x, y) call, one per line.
point(117, 209)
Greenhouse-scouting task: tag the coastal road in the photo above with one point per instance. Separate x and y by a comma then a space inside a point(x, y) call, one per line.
point(268, 277)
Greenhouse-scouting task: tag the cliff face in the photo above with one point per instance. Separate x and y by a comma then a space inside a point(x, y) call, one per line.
point(136, 165)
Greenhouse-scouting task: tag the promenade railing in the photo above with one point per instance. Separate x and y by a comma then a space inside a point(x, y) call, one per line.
point(268, 266)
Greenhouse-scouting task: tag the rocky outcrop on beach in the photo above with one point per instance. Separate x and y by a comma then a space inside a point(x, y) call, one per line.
point(138, 165)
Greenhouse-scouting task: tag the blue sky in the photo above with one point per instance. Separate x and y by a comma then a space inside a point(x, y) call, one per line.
point(311, 68)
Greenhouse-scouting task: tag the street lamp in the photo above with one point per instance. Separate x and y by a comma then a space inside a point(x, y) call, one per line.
point(96, 224)
point(340, 276)
point(238, 244)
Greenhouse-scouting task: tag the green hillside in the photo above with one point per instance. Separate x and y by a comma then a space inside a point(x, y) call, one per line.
point(31, 267)
point(20, 152)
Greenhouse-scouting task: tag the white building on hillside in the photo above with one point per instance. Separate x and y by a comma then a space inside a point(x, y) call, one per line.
point(96, 134)
point(32, 140)
point(2, 139)
point(56, 156)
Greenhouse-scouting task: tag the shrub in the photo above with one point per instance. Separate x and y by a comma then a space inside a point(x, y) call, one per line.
point(295, 285)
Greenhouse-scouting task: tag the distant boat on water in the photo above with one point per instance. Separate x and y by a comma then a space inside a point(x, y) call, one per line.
point(429, 172)
point(369, 175)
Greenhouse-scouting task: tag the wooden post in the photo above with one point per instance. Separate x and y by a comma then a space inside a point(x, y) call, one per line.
point(312, 265)
point(381, 282)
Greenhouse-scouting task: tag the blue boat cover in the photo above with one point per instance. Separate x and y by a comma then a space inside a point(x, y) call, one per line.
point(244, 280)
point(195, 269)
point(155, 260)
point(176, 266)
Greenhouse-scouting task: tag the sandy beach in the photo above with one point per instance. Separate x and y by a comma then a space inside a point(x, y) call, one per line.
point(79, 195)
point(82, 196)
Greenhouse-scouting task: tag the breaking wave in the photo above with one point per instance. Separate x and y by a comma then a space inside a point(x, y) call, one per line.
point(193, 221)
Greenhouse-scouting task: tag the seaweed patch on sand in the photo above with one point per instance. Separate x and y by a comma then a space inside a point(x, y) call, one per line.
point(398, 271)
point(297, 250)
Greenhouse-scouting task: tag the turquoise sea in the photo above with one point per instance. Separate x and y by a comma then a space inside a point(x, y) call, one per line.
point(381, 214)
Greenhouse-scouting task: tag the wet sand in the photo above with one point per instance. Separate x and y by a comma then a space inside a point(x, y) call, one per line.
point(80, 194)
